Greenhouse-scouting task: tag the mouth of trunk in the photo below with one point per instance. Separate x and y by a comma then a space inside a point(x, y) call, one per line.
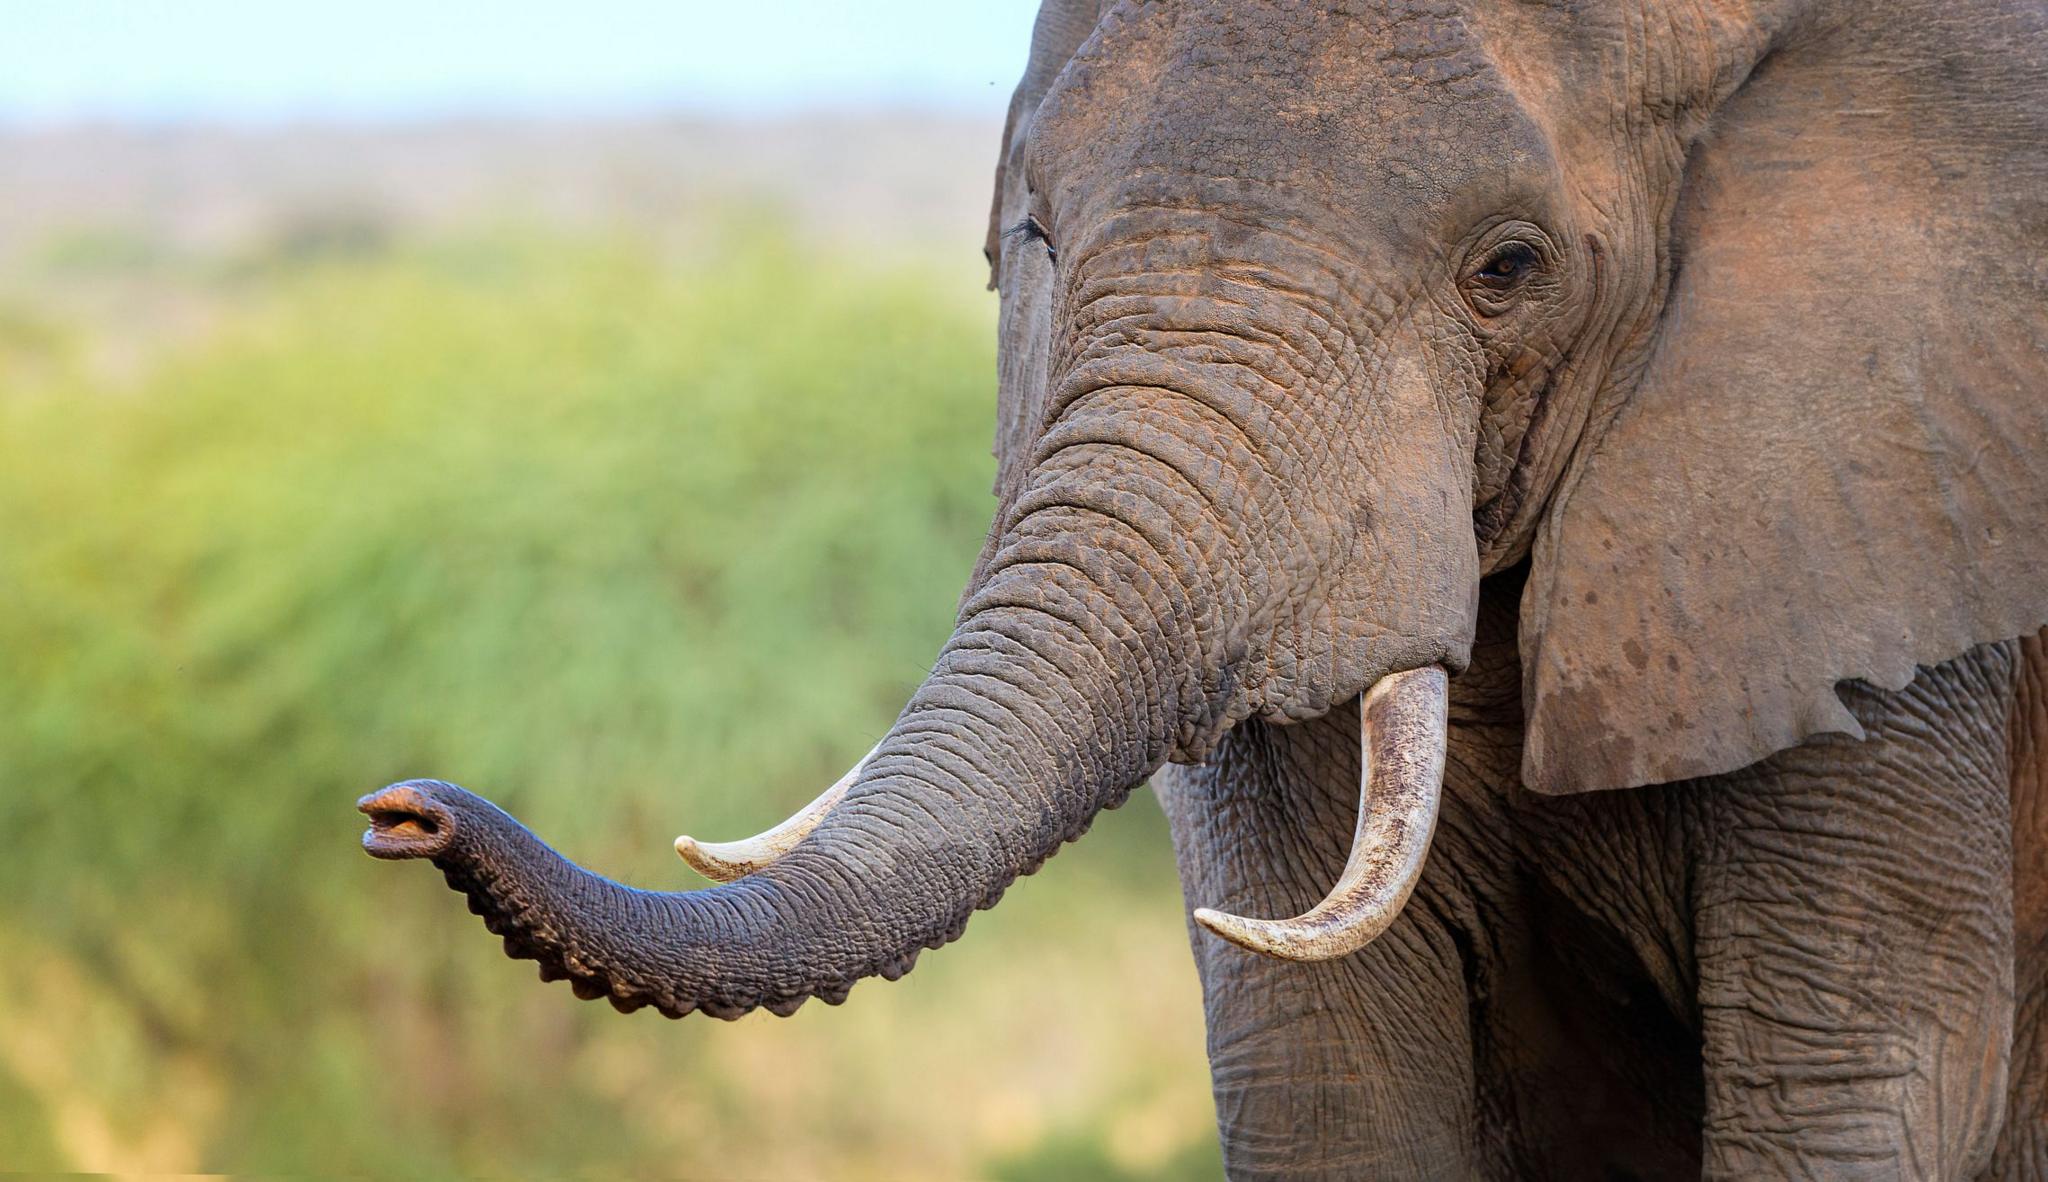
point(404, 824)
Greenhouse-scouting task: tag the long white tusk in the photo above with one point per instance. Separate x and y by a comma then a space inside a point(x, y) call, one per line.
point(724, 861)
point(1402, 723)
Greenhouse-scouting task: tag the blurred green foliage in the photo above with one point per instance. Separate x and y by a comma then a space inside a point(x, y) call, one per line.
point(631, 539)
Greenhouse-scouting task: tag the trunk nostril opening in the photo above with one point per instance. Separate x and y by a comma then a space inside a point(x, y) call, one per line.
point(405, 823)
point(397, 823)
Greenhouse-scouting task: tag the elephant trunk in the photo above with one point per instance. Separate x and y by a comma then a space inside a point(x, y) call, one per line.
point(1158, 579)
point(1049, 703)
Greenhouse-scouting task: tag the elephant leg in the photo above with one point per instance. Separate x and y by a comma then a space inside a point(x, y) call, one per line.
point(1356, 1068)
point(2023, 1146)
point(1853, 927)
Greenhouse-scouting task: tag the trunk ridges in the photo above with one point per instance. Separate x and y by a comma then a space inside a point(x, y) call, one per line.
point(527, 934)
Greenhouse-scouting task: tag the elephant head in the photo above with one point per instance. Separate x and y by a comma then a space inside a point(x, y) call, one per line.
point(1316, 315)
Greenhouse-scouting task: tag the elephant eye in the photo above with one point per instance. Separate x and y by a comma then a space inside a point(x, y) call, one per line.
point(1508, 265)
point(1493, 285)
point(1033, 230)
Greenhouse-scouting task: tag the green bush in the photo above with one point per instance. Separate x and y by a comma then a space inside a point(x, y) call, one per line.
point(631, 546)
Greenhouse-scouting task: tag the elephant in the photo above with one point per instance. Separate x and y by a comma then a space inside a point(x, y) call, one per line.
point(1553, 496)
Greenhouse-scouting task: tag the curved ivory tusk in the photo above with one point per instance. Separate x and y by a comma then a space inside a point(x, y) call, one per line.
point(724, 861)
point(1402, 721)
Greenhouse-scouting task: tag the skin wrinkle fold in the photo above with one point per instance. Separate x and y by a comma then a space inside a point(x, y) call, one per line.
point(1192, 533)
point(1343, 368)
point(1163, 547)
point(1008, 650)
point(1072, 740)
point(1260, 554)
point(1031, 556)
point(1131, 368)
point(1155, 443)
point(1094, 628)
point(1324, 240)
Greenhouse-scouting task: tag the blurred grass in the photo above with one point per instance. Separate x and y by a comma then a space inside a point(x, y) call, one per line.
point(631, 539)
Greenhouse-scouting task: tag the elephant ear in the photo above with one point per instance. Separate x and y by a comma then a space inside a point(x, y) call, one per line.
point(1834, 465)
point(1022, 275)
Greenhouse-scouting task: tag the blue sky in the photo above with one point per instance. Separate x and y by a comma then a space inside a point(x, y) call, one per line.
point(275, 59)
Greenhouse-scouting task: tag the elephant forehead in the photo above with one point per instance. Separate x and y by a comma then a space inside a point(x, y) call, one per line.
point(1381, 102)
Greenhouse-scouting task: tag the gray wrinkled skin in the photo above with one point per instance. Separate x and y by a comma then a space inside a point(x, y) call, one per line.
point(1676, 376)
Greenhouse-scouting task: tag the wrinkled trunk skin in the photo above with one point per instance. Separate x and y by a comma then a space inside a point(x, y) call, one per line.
point(1080, 663)
point(1046, 705)
point(1232, 510)
point(1151, 585)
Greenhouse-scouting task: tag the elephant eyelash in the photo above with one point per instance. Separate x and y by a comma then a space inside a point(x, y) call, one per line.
point(1033, 230)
